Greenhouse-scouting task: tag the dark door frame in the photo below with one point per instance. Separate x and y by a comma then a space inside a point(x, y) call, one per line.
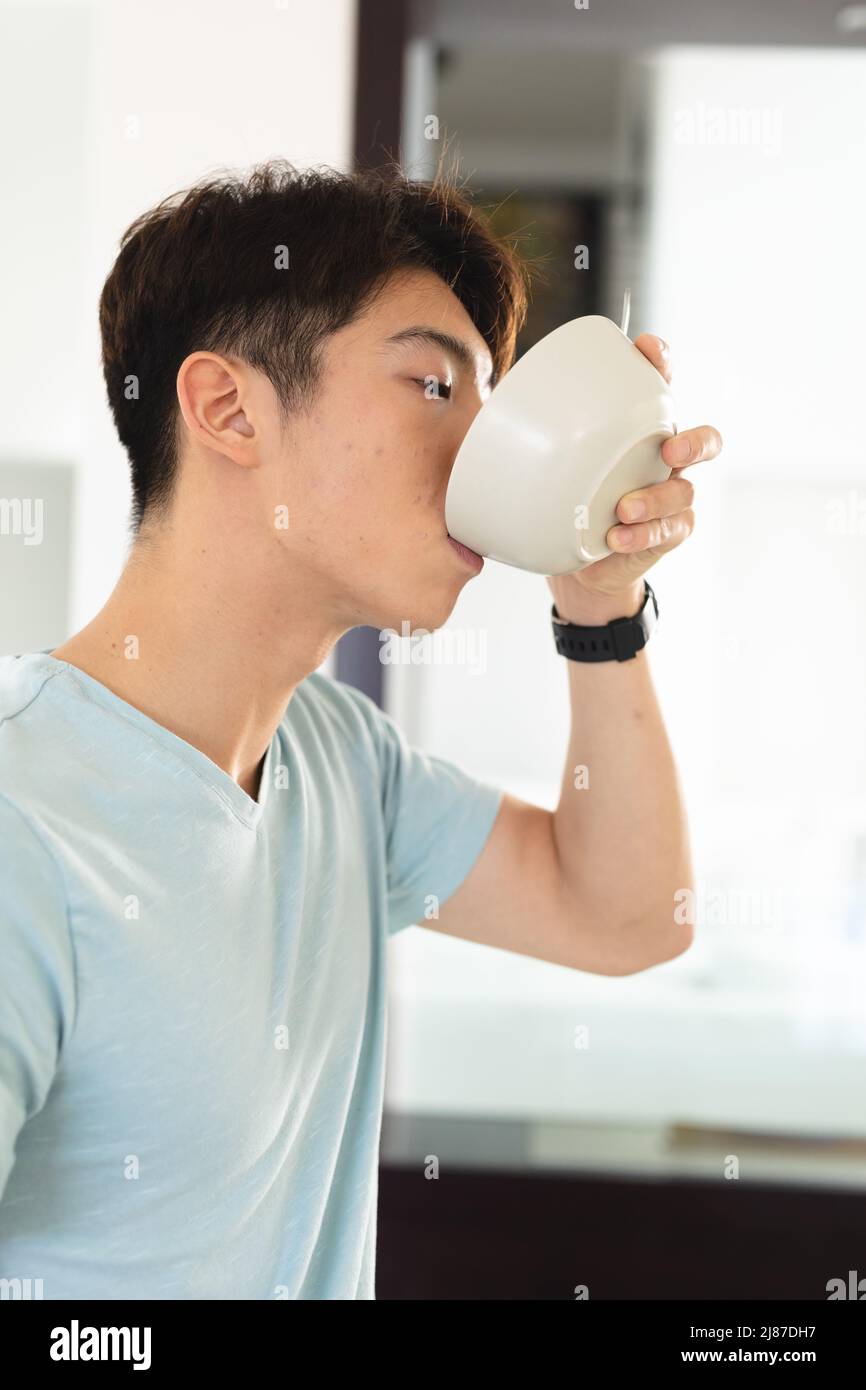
point(380, 46)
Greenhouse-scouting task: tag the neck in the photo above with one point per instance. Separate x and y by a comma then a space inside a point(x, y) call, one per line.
point(209, 643)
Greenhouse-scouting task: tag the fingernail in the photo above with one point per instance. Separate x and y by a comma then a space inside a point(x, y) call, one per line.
point(680, 449)
point(635, 510)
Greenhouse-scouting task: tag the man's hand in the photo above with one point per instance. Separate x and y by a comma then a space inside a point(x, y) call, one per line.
point(653, 520)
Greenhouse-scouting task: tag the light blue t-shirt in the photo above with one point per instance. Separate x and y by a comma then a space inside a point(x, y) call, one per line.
point(193, 988)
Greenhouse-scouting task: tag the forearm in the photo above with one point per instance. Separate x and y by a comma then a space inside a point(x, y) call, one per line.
point(621, 826)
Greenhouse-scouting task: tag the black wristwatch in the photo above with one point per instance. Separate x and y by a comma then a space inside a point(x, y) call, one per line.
point(618, 640)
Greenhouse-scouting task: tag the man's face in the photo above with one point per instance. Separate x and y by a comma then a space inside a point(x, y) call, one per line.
point(366, 470)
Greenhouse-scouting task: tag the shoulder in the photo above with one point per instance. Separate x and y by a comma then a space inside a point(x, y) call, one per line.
point(38, 981)
point(27, 863)
point(29, 727)
point(334, 710)
point(34, 900)
point(22, 679)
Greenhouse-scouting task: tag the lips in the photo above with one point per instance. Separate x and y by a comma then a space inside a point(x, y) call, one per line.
point(471, 557)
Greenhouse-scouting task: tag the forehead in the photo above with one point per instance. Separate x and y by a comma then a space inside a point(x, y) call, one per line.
point(420, 297)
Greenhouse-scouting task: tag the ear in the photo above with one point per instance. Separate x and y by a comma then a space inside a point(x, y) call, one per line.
point(213, 397)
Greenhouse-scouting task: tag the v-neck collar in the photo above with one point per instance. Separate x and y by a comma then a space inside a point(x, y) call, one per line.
point(242, 805)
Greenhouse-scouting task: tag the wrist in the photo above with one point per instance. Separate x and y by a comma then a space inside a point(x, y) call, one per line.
point(595, 610)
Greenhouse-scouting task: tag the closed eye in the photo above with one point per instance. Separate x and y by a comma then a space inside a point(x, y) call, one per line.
point(433, 388)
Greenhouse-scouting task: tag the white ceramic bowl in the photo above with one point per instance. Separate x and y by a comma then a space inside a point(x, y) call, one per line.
point(575, 424)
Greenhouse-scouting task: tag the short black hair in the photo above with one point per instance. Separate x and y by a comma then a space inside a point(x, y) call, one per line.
point(264, 266)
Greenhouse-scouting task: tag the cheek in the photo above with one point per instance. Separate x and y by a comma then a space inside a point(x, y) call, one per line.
point(376, 468)
point(421, 494)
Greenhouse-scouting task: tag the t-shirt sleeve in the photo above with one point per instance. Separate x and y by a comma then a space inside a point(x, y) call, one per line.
point(437, 821)
point(37, 977)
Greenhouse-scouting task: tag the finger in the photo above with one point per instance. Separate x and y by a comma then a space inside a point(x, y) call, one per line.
point(662, 534)
point(661, 499)
point(692, 446)
point(656, 350)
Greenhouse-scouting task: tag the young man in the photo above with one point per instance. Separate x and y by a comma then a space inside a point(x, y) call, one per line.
point(207, 842)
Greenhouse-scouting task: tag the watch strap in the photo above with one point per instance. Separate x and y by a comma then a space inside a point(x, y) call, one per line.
point(619, 640)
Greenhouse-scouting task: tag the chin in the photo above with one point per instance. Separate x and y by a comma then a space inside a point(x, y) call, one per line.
point(428, 611)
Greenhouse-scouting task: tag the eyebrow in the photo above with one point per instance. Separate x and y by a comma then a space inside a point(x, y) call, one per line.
point(455, 346)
